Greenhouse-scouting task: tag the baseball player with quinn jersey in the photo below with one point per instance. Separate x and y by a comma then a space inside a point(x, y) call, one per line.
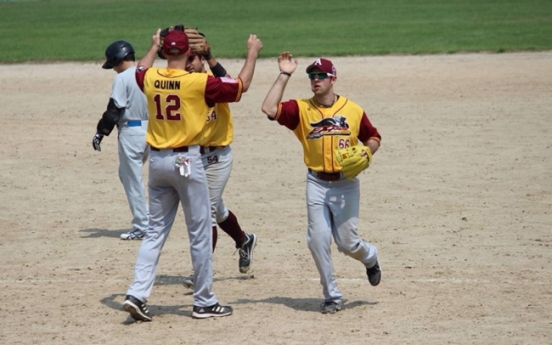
point(178, 103)
point(324, 123)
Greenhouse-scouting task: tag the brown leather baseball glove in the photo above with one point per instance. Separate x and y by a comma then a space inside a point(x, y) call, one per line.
point(198, 43)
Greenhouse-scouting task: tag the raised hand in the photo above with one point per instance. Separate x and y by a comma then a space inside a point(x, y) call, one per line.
point(254, 44)
point(286, 64)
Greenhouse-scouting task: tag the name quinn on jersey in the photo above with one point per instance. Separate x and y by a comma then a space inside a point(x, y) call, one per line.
point(167, 84)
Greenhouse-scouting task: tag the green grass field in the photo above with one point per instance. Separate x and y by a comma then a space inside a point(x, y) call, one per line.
point(65, 30)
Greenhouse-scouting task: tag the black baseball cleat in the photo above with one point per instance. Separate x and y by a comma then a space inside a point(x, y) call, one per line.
point(137, 309)
point(216, 310)
point(246, 252)
point(374, 274)
point(331, 307)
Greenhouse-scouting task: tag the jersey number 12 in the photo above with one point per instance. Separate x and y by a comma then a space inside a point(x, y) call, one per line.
point(170, 110)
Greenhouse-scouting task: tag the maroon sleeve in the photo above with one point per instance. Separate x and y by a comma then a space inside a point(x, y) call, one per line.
point(367, 131)
point(140, 75)
point(222, 90)
point(288, 114)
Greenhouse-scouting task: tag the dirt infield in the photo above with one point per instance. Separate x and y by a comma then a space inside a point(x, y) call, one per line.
point(458, 201)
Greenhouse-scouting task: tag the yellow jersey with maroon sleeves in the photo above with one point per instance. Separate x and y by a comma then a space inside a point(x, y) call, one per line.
point(219, 128)
point(321, 129)
point(178, 103)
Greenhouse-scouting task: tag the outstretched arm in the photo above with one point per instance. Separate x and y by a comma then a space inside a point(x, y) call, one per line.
point(254, 45)
point(149, 58)
point(274, 96)
point(216, 67)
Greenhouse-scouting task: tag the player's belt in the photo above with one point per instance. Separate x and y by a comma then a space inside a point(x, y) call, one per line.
point(209, 149)
point(136, 123)
point(326, 176)
point(202, 149)
point(174, 149)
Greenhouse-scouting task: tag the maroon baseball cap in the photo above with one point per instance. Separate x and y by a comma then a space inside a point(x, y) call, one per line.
point(175, 43)
point(324, 65)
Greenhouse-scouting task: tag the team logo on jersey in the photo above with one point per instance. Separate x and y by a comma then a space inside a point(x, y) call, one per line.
point(336, 125)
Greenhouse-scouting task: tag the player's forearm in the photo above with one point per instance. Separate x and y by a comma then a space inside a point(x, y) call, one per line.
point(373, 144)
point(246, 74)
point(212, 62)
point(148, 59)
point(216, 68)
point(274, 96)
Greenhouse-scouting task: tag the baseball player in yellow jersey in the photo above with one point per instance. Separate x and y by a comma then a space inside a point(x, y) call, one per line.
point(178, 103)
point(217, 160)
point(323, 123)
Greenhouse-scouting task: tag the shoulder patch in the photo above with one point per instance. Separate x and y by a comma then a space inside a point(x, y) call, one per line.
point(228, 80)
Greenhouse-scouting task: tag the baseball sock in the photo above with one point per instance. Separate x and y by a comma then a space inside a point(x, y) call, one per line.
point(215, 237)
point(231, 226)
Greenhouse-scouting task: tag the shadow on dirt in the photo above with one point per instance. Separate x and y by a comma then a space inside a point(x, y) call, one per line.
point(115, 301)
point(302, 304)
point(97, 233)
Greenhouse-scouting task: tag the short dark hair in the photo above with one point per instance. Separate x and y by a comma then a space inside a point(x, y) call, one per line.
point(130, 57)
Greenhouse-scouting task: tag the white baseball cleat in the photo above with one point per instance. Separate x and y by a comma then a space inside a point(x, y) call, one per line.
point(135, 234)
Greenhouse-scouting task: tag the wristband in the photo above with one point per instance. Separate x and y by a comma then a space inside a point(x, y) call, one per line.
point(218, 70)
point(285, 73)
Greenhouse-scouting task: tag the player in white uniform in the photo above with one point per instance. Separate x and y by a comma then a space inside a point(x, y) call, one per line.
point(128, 111)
